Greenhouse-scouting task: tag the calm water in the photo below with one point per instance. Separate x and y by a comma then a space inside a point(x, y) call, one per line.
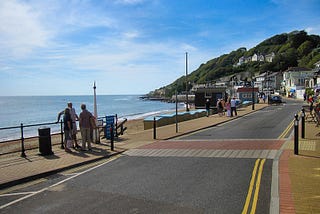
point(43, 109)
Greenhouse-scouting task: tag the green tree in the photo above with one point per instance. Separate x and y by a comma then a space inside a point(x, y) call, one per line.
point(305, 48)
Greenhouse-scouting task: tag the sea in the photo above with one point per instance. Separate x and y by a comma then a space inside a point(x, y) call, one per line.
point(29, 110)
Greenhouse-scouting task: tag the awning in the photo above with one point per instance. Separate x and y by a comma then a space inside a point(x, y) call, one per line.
point(292, 90)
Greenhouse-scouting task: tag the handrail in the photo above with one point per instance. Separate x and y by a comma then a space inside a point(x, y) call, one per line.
point(30, 125)
point(22, 138)
point(122, 129)
point(22, 126)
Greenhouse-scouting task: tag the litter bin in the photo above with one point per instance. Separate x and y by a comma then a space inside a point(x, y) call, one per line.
point(45, 147)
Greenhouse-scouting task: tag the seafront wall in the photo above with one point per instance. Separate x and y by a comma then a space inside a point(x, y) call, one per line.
point(166, 119)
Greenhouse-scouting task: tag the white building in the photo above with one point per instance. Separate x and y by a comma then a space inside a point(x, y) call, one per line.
point(295, 79)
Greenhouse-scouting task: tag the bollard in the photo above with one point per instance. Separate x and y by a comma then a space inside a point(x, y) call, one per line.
point(154, 128)
point(303, 129)
point(23, 154)
point(296, 135)
point(112, 138)
point(61, 133)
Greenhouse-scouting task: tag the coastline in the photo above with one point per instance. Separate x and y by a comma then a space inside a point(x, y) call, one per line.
point(44, 109)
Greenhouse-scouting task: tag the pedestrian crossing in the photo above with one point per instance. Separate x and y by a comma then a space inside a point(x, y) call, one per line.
point(207, 153)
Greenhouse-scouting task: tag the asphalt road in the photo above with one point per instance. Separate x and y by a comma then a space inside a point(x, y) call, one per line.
point(267, 123)
point(165, 184)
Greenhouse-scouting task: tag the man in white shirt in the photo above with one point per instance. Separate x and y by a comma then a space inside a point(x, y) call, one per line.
point(233, 103)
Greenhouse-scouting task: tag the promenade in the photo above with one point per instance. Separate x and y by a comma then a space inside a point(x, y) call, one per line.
point(299, 175)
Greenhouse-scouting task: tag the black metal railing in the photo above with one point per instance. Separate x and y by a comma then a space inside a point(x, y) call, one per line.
point(22, 137)
point(119, 130)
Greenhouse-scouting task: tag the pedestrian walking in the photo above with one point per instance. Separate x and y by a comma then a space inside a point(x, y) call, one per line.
point(208, 107)
point(233, 104)
point(85, 123)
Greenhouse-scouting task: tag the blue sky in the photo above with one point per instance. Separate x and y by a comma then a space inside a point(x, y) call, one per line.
point(60, 47)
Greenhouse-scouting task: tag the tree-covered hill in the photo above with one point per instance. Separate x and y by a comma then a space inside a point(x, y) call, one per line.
point(290, 50)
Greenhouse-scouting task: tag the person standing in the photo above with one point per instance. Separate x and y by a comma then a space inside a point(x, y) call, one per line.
point(74, 118)
point(67, 122)
point(85, 124)
point(228, 107)
point(208, 107)
point(233, 104)
point(220, 107)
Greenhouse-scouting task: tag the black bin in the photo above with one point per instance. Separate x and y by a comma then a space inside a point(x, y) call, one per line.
point(45, 147)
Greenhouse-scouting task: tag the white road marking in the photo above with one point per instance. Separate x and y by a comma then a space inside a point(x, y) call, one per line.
point(56, 184)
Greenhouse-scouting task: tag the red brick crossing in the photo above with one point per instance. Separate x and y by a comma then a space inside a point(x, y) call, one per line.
point(247, 144)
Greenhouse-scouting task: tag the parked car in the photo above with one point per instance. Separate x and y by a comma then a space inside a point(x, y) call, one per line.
point(275, 99)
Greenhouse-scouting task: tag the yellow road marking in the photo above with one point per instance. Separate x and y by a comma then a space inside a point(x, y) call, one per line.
point(253, 178)
point(256, 193)
point(286, 131)
point(254, 183)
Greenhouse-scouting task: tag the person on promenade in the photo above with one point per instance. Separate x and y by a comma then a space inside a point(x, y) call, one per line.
point(264, 98)
point(233, 104)
point(85, 123)
point(208, 107)
point(220, 107)
point(74, 118)
point(67, 122)
point(223, 101)
point(228, 107)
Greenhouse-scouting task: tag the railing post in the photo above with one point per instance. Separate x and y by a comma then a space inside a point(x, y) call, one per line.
point(112, 138)
point(296, 135)
point(61, 128)
point(23, 154)
point(303, 129)
point(154, 128)
point(116, 124)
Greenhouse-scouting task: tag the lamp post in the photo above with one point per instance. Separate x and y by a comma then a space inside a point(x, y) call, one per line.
point(253, 95)
point(187, 102)
point(96, 137)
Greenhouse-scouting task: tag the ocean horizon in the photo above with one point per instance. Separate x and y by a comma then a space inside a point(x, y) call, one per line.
point(28, 110)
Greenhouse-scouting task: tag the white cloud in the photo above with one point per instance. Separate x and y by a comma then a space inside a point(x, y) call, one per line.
point(313, 30)
point(20, 29)
point(129, 2)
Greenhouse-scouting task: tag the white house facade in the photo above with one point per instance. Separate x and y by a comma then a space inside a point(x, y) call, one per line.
point(294, 81)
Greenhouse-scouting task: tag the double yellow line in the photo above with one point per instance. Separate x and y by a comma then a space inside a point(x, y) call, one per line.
point(286, 131)
point(254, 185)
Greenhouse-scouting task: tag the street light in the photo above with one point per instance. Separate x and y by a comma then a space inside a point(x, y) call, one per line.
point(253, 96)
point(187, 102)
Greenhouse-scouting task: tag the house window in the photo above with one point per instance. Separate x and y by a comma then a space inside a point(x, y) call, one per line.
point(300, 81)
point(249, 95)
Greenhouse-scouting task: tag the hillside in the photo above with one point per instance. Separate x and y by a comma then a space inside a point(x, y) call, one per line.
point(274, 54)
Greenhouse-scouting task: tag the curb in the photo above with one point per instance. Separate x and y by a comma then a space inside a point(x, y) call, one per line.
point(52, 172)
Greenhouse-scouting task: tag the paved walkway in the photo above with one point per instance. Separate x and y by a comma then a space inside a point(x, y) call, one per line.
point(299, 176)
